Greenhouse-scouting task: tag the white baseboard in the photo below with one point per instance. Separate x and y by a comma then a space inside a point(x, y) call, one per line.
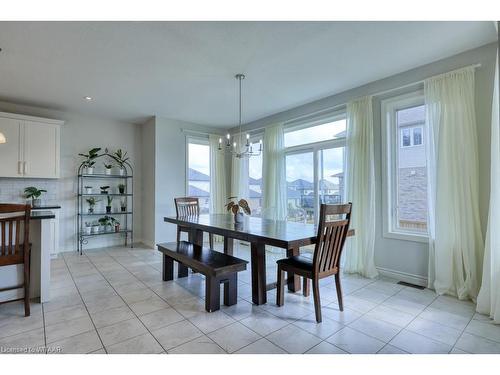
point(403, 276)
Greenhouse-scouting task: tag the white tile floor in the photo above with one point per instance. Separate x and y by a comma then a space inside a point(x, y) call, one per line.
point(114, 301)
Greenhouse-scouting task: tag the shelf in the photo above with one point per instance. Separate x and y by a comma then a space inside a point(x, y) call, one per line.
point(101, 233)
point(105, 195)
point(105, 213)
point(103, 176)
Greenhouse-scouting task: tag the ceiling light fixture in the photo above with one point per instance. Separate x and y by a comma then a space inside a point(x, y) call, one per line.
point(2, 138)
point(241, 147)
point(88, 98)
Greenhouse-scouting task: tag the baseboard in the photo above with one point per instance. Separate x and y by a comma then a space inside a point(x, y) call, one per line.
point(403, 276)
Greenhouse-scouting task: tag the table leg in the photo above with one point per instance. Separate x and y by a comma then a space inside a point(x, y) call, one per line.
point(258, 260)
point(196, 236)
point(228, 245)
point(293, 280)
point(168, 268)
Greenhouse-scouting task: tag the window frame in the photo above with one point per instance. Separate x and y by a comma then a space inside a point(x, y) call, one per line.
point(316, 147)
point(390, 136)
point(200, 140)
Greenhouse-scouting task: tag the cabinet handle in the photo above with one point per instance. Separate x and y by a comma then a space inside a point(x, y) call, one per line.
point(25, 167)
point(19, 167)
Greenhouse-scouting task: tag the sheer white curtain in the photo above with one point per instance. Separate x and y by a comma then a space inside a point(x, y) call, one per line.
point(239, 178)
point(218, 195)
point(360, 188)
point(488, 300)
point(455, 238)
point(273, 174)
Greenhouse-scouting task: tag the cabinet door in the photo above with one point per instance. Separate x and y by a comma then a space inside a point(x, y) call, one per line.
point(10, 152)
point(41, 150)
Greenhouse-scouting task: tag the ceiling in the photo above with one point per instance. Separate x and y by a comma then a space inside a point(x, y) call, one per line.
point(185, 70)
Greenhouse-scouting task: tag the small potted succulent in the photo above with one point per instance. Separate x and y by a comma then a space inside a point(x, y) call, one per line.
point(237, 208)
point(95, 227)
point(34, 193)
point(117, 225)
point(89, 162)
point(107, 168)
point(121, 188)
point(123, 205)
point(121, 159)
point(88, 228)
point(88, 189)
point(104, 189)
point(108, 206)
point(91, 201)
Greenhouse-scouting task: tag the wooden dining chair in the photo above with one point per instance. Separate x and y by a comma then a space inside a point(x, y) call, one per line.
point(332, 233)
point(14, 244)
point(189, 206)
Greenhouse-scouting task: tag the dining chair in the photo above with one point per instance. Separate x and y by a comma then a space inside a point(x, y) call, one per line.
point(332, 233)
point(14, 244)
point(189, 206)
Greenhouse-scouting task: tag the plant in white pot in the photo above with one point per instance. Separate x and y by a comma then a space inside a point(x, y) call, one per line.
point(89, 162)
point(88, 228)
point(92, 202)
point(238, 208)
point(95, 227)
point(121, 159)
point(35, 194)
point(107, 168)
point(88, 189)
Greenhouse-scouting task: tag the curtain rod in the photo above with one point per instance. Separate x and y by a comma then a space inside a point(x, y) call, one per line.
point(379, 93)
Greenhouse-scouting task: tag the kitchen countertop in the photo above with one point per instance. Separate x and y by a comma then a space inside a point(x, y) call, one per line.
point(41, 215)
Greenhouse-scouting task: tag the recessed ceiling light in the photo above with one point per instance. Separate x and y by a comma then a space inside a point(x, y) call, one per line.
point(87, 98)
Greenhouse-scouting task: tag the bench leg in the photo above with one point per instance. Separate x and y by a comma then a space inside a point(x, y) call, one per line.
point(182, 270)
point(212, 294)
point(168, 268)
point(231, 290)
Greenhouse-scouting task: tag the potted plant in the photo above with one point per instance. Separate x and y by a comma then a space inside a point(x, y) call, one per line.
point(121, 188)
point(108, 207)
point(122, 159)
point(123, 205)
point(88, 189)
point(89, 162)
point(88, 228)
point(117, 225)
point(107, 168)
point(237, 208)
point(95, 227)
point(104, 189)
point(34, 193)
point(91, 201)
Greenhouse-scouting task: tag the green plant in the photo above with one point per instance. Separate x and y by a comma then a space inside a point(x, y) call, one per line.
point(110, 199)
point(108, 220)
point(33, 193)
point(108, 166)
point(104, 189)
point(92, 201)
point(92, 154)
point(88, 224)
point(121, 188)
point(235, 206)
point(121, 158)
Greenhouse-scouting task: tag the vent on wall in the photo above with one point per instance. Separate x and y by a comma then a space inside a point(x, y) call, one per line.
point(411, 285)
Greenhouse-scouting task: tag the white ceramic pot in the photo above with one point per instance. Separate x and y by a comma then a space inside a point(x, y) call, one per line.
point(37, 202)
point(88, 230)
point(90, 170)
point(95, 229)
point(121, 171)
point(107, 171)
point(88, 190)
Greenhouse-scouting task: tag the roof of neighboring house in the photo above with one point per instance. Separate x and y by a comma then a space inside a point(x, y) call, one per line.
point(292, 194)
point(340, 174)
point(300, 184)
point(341, 134)
point(325, 184)
point(193, 191)
point(195, 175)
point(254, 194)
point(411, 116)
point(254, 181)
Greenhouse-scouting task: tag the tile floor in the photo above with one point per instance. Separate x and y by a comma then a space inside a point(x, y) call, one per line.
point(114, 301)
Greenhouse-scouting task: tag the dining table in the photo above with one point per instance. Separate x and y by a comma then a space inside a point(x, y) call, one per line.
point(258, 232)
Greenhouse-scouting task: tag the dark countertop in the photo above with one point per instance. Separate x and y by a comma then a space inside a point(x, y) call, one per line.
point(40, 215)
point(54, 207)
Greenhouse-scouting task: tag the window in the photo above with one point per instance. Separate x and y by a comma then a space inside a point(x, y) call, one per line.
point(198, 173)
point(405, 167)
point(255, 184)
point(314, 167)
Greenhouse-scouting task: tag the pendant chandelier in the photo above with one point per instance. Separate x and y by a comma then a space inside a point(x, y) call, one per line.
point(240, 146)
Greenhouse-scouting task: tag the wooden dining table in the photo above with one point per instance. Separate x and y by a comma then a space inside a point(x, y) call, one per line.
point(259, 233)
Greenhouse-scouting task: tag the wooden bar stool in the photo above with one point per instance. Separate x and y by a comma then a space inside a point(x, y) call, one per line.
point(189, 206)
point(14, 244)
point(326, 260)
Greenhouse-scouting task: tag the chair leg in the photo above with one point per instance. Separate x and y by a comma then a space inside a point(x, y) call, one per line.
point(211, 240)
point(27, 311)
point(339, 291)
point(231, 290)
point(280, 287)
point(317, 301)
point(305, 287)
point(178, 234)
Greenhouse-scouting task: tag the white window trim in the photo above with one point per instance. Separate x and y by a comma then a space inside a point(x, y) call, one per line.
point(197, 139)
point(390, 148)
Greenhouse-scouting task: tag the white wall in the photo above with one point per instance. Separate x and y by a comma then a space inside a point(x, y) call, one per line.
point(408, 258)
point(166, 168)
point(79, 134)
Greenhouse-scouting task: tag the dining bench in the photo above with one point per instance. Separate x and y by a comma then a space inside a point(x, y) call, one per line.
point(216, 267)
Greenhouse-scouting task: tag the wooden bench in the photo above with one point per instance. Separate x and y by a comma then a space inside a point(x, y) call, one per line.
point(216, 267)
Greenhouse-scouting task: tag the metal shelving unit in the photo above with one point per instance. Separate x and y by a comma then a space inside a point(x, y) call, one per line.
point(127, 218)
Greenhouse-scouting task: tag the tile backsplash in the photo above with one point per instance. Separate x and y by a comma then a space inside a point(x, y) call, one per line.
point(12, 190)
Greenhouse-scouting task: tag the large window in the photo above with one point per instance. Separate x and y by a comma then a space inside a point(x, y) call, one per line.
point(405, 165)
point(314, 167)
point(255, 184)
point(198, 173)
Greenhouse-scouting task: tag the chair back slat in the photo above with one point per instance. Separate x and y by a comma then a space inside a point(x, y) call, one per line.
point(14, 248)
point(332, 233)
point(187, 206)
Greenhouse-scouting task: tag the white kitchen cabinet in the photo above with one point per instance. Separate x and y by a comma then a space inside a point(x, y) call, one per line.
point(32, 148)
